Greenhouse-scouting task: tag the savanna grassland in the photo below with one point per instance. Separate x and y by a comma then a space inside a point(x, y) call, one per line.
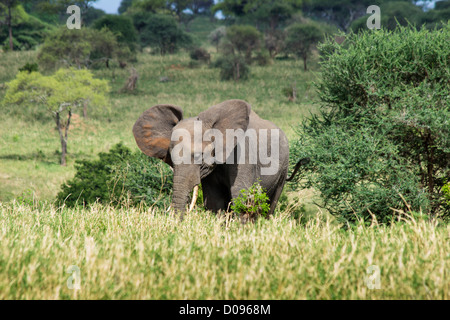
point(136, 253)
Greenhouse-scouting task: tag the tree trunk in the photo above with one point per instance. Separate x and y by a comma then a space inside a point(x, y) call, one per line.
point(85, 112)
point(63, 137)
point(11, 46)
point(304, 63)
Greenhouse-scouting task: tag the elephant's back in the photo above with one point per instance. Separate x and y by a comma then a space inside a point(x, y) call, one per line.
point(257, 123)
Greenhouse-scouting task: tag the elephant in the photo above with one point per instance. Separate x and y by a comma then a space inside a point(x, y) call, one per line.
point(161, 132)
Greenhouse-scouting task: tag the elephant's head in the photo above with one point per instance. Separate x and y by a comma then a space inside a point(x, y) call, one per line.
point(162, 133)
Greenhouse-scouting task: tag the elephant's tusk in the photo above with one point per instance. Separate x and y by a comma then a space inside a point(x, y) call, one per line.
point(194, 198)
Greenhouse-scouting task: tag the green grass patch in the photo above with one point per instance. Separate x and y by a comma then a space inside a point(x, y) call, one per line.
point(142, 254)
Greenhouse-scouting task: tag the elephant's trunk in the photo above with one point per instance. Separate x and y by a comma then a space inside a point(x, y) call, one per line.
point(185, 179)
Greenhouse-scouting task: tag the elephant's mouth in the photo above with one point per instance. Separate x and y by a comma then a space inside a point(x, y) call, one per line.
point(194, 199)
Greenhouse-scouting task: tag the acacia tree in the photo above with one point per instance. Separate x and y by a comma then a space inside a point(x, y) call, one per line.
point(237, 48)
point(60, 94)
point(242, 40)
point(301, 39)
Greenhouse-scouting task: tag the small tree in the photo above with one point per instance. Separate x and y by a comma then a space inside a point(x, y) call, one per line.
point(161, 32)
point(275, 42)
point(60, 94)
point(243, 40)
point(232, 67)
point(301, 39)
point(217, 35)
point(83, 48)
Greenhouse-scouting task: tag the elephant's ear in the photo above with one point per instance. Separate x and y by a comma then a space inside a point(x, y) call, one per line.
point(231, 114)
point(153, 130)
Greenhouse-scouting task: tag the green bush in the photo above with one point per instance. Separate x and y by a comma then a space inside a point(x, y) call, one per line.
point(262, 58)
point(232, 68)
point(251, 203)
point(446, 194)
point(122, 27)
point(200, 54)
point(119, 177)
point(382, 140)
point(29, 67)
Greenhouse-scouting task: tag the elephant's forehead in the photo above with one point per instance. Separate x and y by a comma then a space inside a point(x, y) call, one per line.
point(187, 124)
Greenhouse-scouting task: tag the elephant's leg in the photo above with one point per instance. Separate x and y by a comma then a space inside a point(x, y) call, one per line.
point(216, 195)
point(276, 196)
point(241, 177)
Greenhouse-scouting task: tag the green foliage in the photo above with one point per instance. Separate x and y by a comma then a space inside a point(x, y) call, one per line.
point(294, 208)
point(200, 6)
point(66, 89)
point(81, 48)
point(242, 40)
point(119, 177)
point(270, 11)
point(275, 42)
point(91, 15)
point(124, 5)
point(382, 139)
point(437, 17)
point(28, 31)
point(393, 14)
point(161, 32)
point(122, 27)
point(251, 203)
point(301, 39)
point(232, 68)
point(262, 58)
point(217, 35)
point(59, 94)
point(446, 194)
point(200, 54)
point(238, 46)
point(173, 7)
point(273, 13)
point(29, 67)
point(338, 12)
